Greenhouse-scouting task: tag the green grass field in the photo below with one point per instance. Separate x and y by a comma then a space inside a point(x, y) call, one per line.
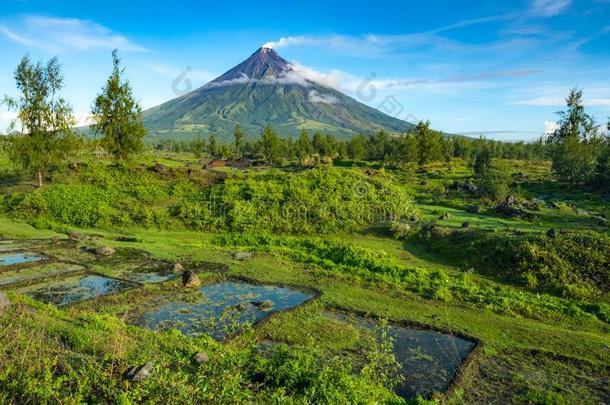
point(536, 346)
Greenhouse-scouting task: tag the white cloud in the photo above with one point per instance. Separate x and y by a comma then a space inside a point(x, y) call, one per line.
point(550, 127)
point(315, 97)
point(549, 8)
point(560, 101)
point(57, 34)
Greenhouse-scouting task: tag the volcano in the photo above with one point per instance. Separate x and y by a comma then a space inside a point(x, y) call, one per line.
point(266, 89)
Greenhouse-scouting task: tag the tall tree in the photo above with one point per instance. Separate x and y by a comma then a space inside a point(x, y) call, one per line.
point(46, 120)
point(428, 143)
point(574, 152)
point(270, 145)
point(239, 138)
point(213, 145)
point(117, 116)
point(304, 146)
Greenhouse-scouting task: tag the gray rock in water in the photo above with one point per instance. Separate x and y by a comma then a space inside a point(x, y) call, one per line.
point(5, 303)
point(242, 255)
point(201, 357)
point(139, 373)
point(190, 279)
point(263, 305)
point(105, 251)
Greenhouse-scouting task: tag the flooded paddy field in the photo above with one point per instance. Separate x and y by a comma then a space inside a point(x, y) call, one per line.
point(32, 275)
point(76, 288)
point(17, 258)
point(429, 360)
point(225, 308)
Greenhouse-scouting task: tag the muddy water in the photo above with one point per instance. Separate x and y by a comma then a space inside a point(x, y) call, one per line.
point(77, 288)
point(429, 359)
point(226, 307)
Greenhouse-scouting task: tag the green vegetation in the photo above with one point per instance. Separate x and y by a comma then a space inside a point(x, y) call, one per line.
point(117, 116)
point(477, 238)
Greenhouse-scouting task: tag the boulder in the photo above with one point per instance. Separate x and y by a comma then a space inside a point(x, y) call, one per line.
point(190, 279)
point(263, 305)
point(445, 216)
point(75, 235)
point(242, 255)
point(470, 187)
point(5, 303)
point(177, 268)
point(139, 373)
point(201, 357)
point(465, 225)
point(414, 218)
point(105, 251)
point(159, 168)
point(551, 233)
point(473, 209)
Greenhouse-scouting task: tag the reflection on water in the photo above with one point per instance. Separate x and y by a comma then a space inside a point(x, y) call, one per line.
point(147, 278)
point(226, 306)
point(430, 360)
point(18, 258)
point(77, 289)
point(32, 274)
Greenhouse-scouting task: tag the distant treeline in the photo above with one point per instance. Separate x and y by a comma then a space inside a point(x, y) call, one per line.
point(421, 145)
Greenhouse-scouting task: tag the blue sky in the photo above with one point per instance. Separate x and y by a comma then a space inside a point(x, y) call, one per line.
point(498, 68)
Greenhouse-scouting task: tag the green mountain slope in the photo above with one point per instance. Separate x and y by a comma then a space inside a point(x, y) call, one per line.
point(264, 89)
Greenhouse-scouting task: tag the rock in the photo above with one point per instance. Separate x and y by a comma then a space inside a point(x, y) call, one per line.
point(445, 216)
point(5, 303)
point(263, 305)
point(105, 251)
point(177, 268)
point(470, 187)
point(242, 255)
point(414, 218)
point(159, 168)
point(582, 213)
point(139, 373)
point(201, 357)
point(473, 209)
point(601, 220)
point(551, 233)
point(190, 279)
point(465, 225)
point(470, 270)
point(239, 307)
point(75, 235)
point(510, 200)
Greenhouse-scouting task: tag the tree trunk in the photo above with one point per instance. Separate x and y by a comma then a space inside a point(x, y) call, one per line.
point(39, 178)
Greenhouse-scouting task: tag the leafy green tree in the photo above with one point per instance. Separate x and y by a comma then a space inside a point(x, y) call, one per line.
point(482, 162)
point(319, 143)
point(46, 137)
point(239, 138)
point(212, 145)
point(428, 143)
point(304, 146)
point(117, 116)
point(356, 148)
point(574, 152)
point(270, 145)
